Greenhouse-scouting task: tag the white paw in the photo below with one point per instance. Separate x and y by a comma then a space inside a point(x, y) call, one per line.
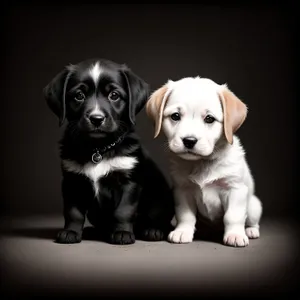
point(252, 232)
point(236, 240)
point(181, 236)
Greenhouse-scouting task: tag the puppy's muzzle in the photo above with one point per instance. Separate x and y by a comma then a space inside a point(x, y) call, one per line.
point(189, 142)
point(97, 119)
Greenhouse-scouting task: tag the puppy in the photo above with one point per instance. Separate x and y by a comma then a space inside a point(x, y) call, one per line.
point(107, 175)
point(207, 161)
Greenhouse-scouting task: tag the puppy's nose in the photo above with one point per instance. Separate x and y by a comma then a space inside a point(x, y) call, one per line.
point(189, 142)
point(96, 120)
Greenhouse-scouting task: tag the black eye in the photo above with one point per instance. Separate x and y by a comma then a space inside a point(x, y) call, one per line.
point(114, 96)
point(175, 117)
point(209, 119)
point(79, 96)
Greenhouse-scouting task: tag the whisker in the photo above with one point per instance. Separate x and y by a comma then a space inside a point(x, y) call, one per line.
point(123, 126)
point(73, 130)
point(165, 147)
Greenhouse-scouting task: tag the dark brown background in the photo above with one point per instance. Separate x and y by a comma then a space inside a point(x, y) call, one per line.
point(250, 47)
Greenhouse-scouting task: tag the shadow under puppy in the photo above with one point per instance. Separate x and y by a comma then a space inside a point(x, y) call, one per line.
point(207, 161)
point(107, 176)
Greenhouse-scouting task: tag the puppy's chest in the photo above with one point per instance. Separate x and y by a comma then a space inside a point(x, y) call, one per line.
point(204, 176)
point(213, 182)
point(99, 174)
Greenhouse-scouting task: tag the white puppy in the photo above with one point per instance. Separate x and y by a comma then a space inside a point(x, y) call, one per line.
point(208, 166)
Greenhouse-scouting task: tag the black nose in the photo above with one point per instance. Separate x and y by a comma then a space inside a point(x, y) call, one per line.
point(97, 120)
point(189, 142)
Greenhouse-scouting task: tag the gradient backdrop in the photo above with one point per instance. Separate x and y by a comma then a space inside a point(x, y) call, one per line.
point(249, 47)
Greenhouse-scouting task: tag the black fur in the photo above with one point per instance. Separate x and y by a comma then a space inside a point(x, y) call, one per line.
point(136, 203)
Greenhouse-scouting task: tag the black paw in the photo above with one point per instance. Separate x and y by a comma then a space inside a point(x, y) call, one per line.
point(68, 237)
point(122, 238)
point(152, 234)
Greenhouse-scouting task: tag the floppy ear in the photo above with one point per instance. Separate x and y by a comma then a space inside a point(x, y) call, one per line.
point(155, 106)
point(138, 91)
point(55, 93)
point(235, 112)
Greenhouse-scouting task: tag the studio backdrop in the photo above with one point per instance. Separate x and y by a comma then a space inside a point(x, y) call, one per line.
point(251, 48)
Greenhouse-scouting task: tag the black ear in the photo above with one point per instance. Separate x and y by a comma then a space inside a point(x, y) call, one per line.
point(138, 91)
point(55, 93)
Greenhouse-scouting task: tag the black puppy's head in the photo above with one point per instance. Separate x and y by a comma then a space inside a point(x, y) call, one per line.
point(98, 97)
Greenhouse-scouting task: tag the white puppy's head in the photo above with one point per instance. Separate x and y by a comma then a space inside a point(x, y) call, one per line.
point(195, 114)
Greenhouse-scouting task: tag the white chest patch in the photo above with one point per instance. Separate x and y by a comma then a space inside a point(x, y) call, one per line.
point(106, 166)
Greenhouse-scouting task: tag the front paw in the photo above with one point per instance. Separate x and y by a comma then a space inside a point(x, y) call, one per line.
point(68, 237)
point(252, 232)
point(181, 236)
point(236, 239)
point(122, 238)
point(152, 234)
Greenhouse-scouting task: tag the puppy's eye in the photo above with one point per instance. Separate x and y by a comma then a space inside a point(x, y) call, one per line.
point(209, 119)
point(79, 96)
point(175, 117)
point(114, 96)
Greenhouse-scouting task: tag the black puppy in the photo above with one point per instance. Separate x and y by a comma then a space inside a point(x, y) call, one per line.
point(106, 174)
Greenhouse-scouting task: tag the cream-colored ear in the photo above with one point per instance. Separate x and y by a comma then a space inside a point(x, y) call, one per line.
point(155, 106)
point(235, 112)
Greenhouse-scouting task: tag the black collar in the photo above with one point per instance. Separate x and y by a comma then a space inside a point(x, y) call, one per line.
point(97, 155)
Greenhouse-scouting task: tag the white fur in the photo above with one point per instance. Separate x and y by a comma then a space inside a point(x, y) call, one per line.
point(188, 94)
point(95, 72)
point(96, 110)
point(96, 171)
point(217, 184)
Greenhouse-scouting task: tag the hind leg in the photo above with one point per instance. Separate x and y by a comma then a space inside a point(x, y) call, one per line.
point(153, 228)
point(154, 219)
point(254, 213)
point(154, 224)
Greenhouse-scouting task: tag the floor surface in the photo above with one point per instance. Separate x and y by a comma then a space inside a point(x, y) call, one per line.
point(32, 264)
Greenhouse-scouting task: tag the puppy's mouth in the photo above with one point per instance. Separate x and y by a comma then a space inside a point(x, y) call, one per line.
point(190, 152)
point(97, 133)
point(189, 155)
